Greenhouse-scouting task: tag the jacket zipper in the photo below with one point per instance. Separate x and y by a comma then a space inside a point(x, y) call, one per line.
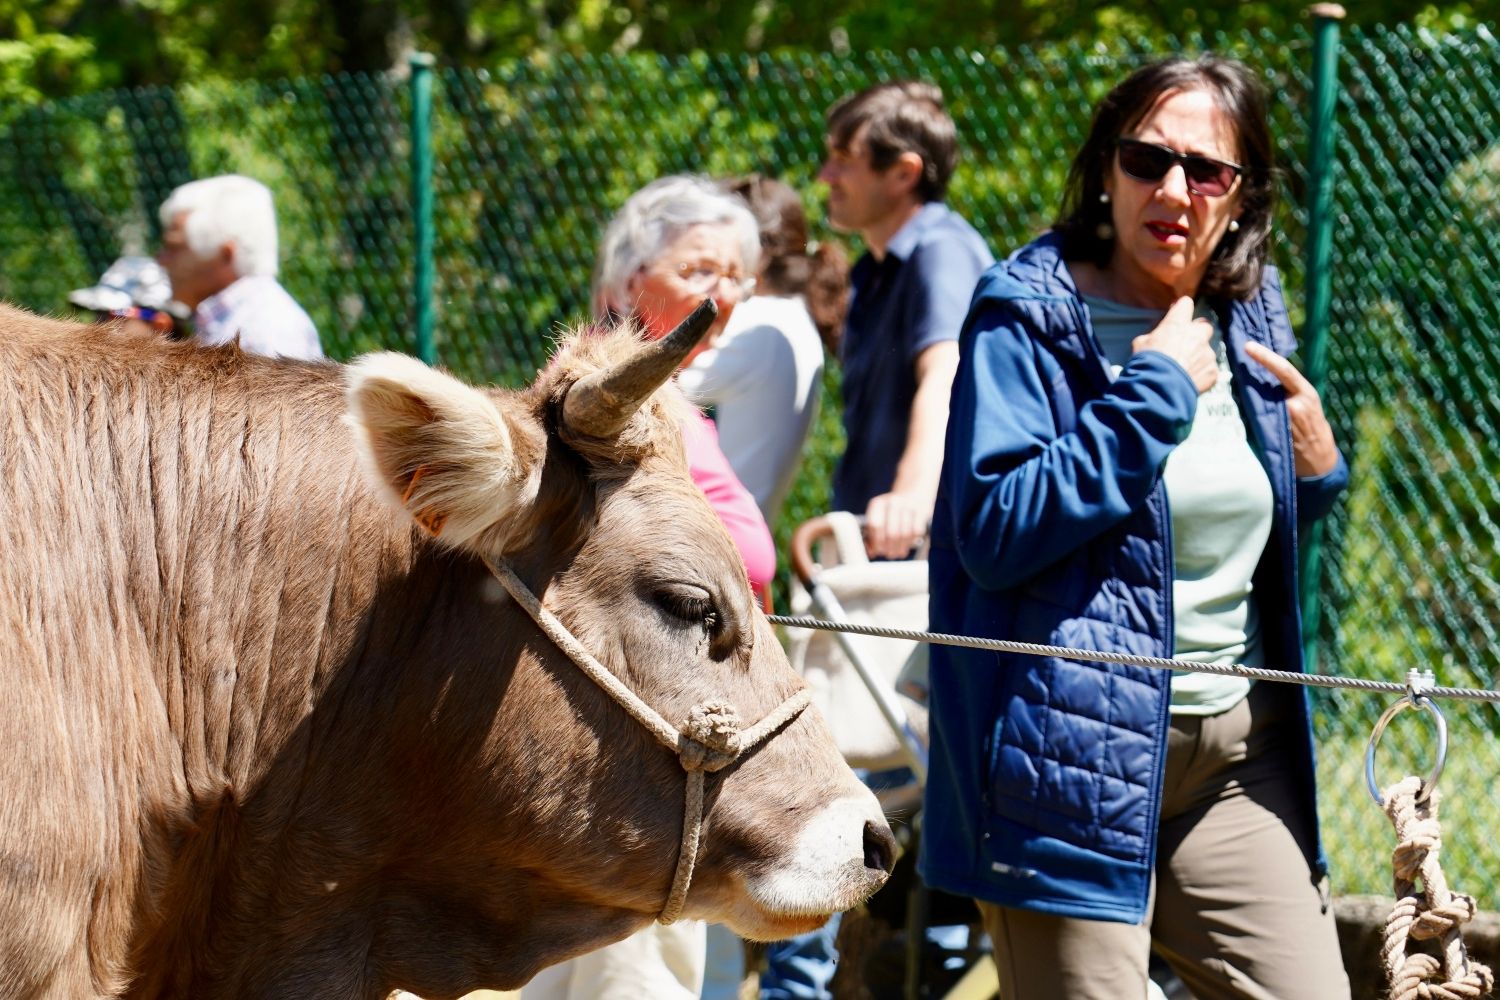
point(1163, 717)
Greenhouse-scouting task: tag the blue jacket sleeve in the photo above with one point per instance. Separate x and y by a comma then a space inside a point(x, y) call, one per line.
point(1023, 491)
point(1317, 494)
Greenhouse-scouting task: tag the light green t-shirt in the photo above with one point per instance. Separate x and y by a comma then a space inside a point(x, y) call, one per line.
point(1220, 500)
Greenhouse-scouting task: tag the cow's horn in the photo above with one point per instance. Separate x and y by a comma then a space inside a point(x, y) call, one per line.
point(600, 404)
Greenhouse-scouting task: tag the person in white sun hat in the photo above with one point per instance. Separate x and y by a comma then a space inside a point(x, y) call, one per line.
point(137, 291)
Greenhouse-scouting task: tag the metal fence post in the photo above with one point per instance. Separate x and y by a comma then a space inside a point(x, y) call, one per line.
point(1326, 18)
point(421, 201)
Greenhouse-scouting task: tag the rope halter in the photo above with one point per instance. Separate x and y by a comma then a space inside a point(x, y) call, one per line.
point(709, 740)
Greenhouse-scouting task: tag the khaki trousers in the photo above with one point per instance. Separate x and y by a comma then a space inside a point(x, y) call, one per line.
point(1234, 909)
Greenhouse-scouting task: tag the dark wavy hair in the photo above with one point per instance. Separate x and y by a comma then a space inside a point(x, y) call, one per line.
point(1085, 224)
point(904, 116)
point(788, 266)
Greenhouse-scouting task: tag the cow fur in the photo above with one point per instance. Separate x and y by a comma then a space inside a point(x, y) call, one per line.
point(263, 734)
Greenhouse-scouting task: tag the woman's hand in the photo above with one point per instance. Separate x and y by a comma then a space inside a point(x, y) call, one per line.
point(1186, 341)
point(1312, 438)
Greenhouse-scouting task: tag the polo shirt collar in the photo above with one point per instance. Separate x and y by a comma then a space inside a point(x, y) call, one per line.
point(907, 237)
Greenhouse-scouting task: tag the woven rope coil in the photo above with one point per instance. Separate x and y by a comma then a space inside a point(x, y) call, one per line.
point(1432, 914)
point(710, 737)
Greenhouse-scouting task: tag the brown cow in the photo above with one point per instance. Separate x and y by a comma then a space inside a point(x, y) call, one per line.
point(261, 736)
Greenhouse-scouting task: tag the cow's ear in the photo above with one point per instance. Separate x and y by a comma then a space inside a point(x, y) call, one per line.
point(448, 454)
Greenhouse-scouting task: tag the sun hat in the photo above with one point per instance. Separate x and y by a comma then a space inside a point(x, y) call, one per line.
point(128, 282)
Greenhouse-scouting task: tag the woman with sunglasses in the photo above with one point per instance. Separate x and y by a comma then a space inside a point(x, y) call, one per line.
point(1128, 457)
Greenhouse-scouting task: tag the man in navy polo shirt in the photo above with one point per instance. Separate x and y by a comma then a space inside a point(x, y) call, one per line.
point(891, 151)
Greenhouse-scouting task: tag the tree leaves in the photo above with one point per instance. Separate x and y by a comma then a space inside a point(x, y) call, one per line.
point(55, 49)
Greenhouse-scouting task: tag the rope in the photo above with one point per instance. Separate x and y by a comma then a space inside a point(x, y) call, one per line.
point(708, 741)
point(1155, 662)
point(1433, 914)
point(711, 741)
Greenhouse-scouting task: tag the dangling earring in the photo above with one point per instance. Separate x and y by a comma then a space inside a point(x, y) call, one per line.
point(1234, 225)
point(1104, 197)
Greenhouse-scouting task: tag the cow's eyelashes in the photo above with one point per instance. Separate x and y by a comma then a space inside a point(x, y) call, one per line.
point(689, 604)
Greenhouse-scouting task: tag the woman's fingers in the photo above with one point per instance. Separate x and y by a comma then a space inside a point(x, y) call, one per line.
point(1312, 437)
point(1286, 373)
point(1187, 341)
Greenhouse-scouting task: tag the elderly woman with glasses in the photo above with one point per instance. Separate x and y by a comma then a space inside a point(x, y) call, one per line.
point(674, 243)
point(1129, 461)
point(763, 376)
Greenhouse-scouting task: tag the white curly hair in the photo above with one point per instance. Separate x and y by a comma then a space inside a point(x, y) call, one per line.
point(651, 219)
point(229, 208)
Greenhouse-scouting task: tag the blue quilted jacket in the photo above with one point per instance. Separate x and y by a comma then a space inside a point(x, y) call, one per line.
point(1052, 527)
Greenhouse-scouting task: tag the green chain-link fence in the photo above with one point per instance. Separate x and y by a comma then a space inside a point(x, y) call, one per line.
point(1413, 578)
point(531, 158)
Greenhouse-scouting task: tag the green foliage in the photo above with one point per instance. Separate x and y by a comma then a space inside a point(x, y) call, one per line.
point(849, 26)
point(39, 57)
point(63, 47)
point(68, 47)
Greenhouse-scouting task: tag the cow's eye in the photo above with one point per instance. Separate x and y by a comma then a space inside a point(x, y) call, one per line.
point(688, 603)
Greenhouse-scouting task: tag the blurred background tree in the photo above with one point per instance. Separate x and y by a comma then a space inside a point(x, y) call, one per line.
point(55, 48)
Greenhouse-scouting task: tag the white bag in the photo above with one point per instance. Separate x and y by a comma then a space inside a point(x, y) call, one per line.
point(892, 594)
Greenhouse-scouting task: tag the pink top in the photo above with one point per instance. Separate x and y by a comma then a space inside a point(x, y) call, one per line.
point(730, 500)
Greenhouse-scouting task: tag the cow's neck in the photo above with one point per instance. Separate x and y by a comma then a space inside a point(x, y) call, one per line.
point(308, 651)
point(278, 603)
point(351, 786)
point(435, 941)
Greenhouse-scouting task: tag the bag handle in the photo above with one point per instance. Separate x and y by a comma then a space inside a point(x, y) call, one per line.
point(848, 537)
point(846, 531)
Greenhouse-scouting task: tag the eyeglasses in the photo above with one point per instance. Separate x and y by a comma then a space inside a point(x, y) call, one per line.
point(1146, 161)
point(703, 279)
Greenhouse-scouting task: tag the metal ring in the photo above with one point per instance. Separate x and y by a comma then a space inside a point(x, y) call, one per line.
point(1430, 782)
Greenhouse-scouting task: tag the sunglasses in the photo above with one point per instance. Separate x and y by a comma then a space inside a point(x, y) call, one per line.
point(1146, 161)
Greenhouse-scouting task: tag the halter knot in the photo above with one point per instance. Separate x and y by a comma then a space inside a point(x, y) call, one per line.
point(710, 736)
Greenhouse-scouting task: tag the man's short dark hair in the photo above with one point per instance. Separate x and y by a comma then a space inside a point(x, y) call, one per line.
point(1085, 225)
point(904, 116)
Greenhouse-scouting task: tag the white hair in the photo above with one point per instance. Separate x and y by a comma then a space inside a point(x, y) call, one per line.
point(227, 209)
point(655, 216)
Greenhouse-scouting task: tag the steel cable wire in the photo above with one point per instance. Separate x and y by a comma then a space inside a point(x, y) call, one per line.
point(1155, 662)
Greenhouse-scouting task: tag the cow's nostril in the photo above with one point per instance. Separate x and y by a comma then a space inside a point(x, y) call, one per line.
point(880, 847)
